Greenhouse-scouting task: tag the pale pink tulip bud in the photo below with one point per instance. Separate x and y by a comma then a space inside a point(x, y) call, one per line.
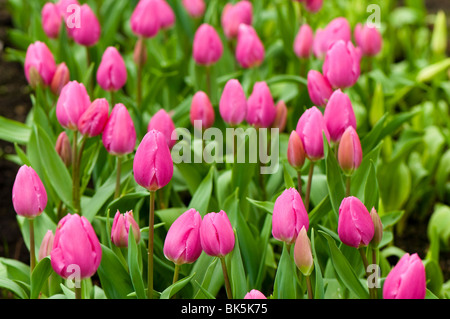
point(72, 103)
point(407, 280)
point(29, 196)
point(217, 235)
point(207, 48)
point(350, 151)
point(303, 43)
point(121, 227)
point(63, 148)
point(355, 226)
point(369, 39)
point(195, 8)
point(162, 122)
point(311, 127)
point(39, 58)
point(182, 244)
point(337, 29)
point(296, 152)
point(144, 20)
point(339, 115)
point(140, 52)
point(261, 109)
point(51, 20)
point(250, 50)
point(233, 103)
point(314, 5)
point(165, 14)
point(119, 134)
point(75, 248)
point(112, 72)
point(234, 15)
point(318, 88)
point(289, 216)
point(89, 30)
point(302, 253)
point(255, 294)
point(319, 44)
point(93, 121)
point(378, 228)
point(202, 111)
point(60, 79)
point(281, 116)
point(46, 246)
point(153, 165)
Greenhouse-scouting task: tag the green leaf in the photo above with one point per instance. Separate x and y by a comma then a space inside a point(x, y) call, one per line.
point(13, 131)
point(202, 196)
point(39, 276)
point(285, 279)
point(209, 272)
point(170, 291)
point(16, 270)
point(133, 264)
point(13, 287)
point(371, 193)
point(336, 188)
point(391, 218)
point(319, 287)
point(238, 279)
point(264, 205)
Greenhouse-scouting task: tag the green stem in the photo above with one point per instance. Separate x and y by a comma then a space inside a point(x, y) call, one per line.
point(150, 245)
point(366, 265)
point(374, 261)
point(32, 249)
point(348, 186)
point(299, 181)
point(78, 292)
point(111, 93)
point(75, 175)
point(308, 284)
point(308, 186)
point(139, 73)
point(90, 84)
point(208, 80)
point(119, 168)
point(176, 273)
point(225, 277)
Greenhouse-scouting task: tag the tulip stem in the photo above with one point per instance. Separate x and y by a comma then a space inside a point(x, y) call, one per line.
point(366, 267)
point(32, 249)
point(225, 277)
point(309, 286)
point(119, 168)
point(111, 93)
point(374, 262)
point(78, 292)
point(308, 186)
point(139, 73)
point(176, 273)
point(348, 186)
point(75, 174)
point(150, 245)
point(299, 181)
point(208, 81)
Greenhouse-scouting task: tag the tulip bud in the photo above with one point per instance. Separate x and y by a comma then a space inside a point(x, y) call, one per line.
point(233, 103)
point(112, 72)
point(82, 255)
point(234, 15)
point(318, 88)
point(89, 30)
point(121, 228)
point(338, 29)
point(355, 226)
point(407, 280)
point(140, 52)
point(60, 79)
point(182, 244)
point(64, 149)
point(46, 245)
point(261, 111)
point(249, 49)
point(207, 48)
point(119, 134)
point(255, 294)
point(319, 43)
point(51, 20)
point(72, 103)
point(29, 196)
point(162, 122)
point(310, 128)
point(378, 228)
point(39, 59)
point(165, 14)
point(202, 111)
point(350, 151)
point(195, 8)
point(144, 21)
point(296, 153)
point(153, 165)
point(314, 5)
point(281, 116)
point(302, 253)
point(369, 39)
point(339, 115)
point(303, 42)
point(217, 235)
point(93, 121)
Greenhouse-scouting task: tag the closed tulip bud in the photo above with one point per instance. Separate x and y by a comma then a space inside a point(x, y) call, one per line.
point(51, 20)
point(369, 39)
point(234, 15)
point(182, 244)
point(202, 111)
point(217, 235)
point(72, 103)
point(261, 109)
point(46, 246)
point(250, 50)
point(314, 5)
point(93, 121)
point(153, 165)
point(303, 42)
point(140, 54)
point(289, 216)
point(166, 15)
point(233, 103)
point(195, 8)
point(311, 127)
point(63, 148)
point(162, 122)
point(350, 151)
point(40, 66)
point(144, 20)
point(119, 134)
point(255, 294)
point(318, 88)
point(338, 29)
point(302, 253)
point(89, 30)
point(60, 79)
point(69, 10)
point(355, 226)
point(112, 72)
point(319, 42)
point(29, 196)
point(378, 228)
point(296, 152)
point(121, 227)
point(281, 116)
point(69, 255)
point(339, 115)
point(207, 48)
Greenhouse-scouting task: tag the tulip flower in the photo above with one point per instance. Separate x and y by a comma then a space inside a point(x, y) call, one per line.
point(202, 112)
point(69, 11)
point(255, 294)
point(314, 5)
point(350, 151)
point(144, 20)
point(216, 234)
point(40, 65)
point(51, 20)
point(378, 228)
point(166, 15)
point(337, 29)
point(89, 30)
point(318, 88)
point(163, 123)
point(121, 227)
point(234, 15)
point(207, 48)
point(303, 42)
point(46, 245)
point(339, 115)
point(112, 72)
point(302, 253)
point(119, 134)
point(289, 216)
point(94, 119)
point(407, 280)
point(281, 116)
point(233, 103)
point(195, 8)
point(72, 103)
point(60, 78)
point(369, 39)
point(296, 152)
point(261, 111)
point(250, 50)
point(63, 148)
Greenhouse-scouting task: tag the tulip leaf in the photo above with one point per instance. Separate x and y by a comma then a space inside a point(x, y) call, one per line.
point(202, 196)
point(319, 287)
point(371, 193)
point(133, 264)
point(336, 189)
point(13, 131)
point(13, 287)
point(236, 272)
point(264, 205)
point(285, 279)
point(39, 276)
point(207, 269)
point(16, 270)
point(170, 291)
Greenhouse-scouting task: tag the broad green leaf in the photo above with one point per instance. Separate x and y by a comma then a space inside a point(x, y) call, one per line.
point(319, 285)
point(236, 272)
point(202, 196)
point(16, 270)
point(13, 131)
point(133, 265)
point(40, 276)
point(13, 287)
point(285, 278)
point(264, 205)
point(336, 189)
point(170, 291)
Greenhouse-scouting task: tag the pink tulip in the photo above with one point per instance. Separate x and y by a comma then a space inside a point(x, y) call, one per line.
point(217, 235)
point(89, 30)
point(407, 280)
point(296, 152)
point(182, 244)
point(144, 20)
point(63, 148)
point(378, 228)
point(249, 49)
point(302, 253)
point(68, 9)
point(311, 127)
point(289, 216)
point(60, 79)
point(112, 72)
point(261, 109)
point(303, 42)
point(255, 294)
point(72, 103)
point(40, 65)
point(318, 88)
point(349, 152)
point(46, 246)
point(338, 29)
point(234, 15)
point(281, 116)
point(75, 248)
point(119, 134)
point(51, 20)
point(121, 227)
point(339, 115)
point(233, 103)
point(202, 112)
point(355, 226)
point(29, 196)
point(207, 48)
point(369, 39)
point(93, 121)
point(314, 5)
point(319, 44)
point(195, 8)
point(153, 165)
point(162, 122)
point(165, 14)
